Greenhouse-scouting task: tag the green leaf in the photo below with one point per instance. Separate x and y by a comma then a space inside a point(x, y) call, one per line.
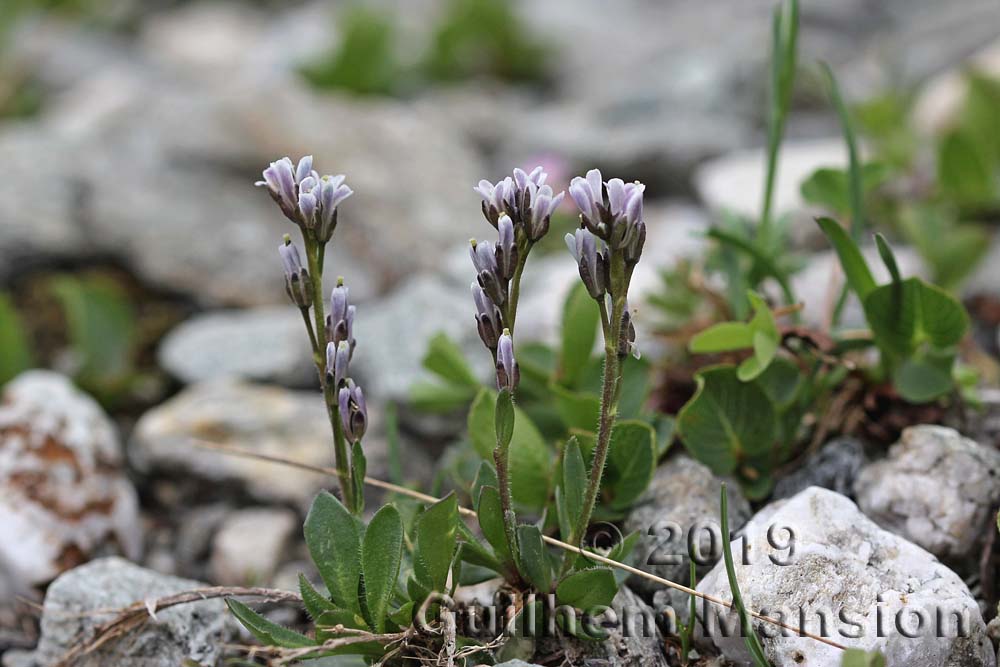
point(490, 516)
point(101, 327)
point(331, 534)
point(577, 410)
point(485, 476)
point(380, 557)
point(631, 460)
point(764, 350)
point(534, 559)
point(943, 319)
point(888, 258)
point(893, 313)
point(726, 421)
point(855, 657)
point(315, 603)
point(586, 589)
point(530, 456)
point(504, 418)
point(782, 382)
point(435, 542)
point(722, 337)
point(923, 379)
point(581, 317)
point(964, 171)
point(445, 359)
point(859, 276)
point(574, 481)
point(16, 355)
point(267, 632)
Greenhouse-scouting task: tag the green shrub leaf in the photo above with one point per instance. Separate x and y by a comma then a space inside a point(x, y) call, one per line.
point(534, 559)
point(631, 460)
point(859, 276)
point(445, 359)
point(331, 534)
point(267, 632)
point(381, 554)
point(579, 331)
point(726, 421)
point(504, 418)
point(722, 337)
point(585, 589)
point(435, 542)
point(314, 602)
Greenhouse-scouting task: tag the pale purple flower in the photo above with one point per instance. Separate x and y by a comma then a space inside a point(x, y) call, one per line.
point(353, 411)
point(306, 198)
point(338, 361)
point(340, 319)
point(497, 199)
point(593, 264)
point(508, 373)
point(483, 256)
point(506, 249)
point(488, 318)
point(297, 283)
point(612, 211)
point(543, 204)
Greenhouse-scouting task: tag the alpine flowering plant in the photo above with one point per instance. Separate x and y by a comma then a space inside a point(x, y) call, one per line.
point(384, 574)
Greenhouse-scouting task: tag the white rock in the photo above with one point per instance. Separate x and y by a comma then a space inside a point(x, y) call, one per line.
point(229, 344)
point(941, 98)
point(936, 489)
point(853, 573)
point(195, 631)
point(265, 420)
point(250, 545)
point(735, 181)
point(63, 495)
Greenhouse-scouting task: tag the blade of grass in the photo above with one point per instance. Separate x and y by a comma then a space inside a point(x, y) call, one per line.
point(749, 634)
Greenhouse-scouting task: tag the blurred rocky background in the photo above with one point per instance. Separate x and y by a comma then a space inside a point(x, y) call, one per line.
point(138, 263)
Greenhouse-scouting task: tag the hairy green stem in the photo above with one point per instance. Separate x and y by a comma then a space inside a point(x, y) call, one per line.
point(609, 400)
point(313, 251)
point(500, 459)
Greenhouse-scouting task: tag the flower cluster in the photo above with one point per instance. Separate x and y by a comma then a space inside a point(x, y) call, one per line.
point(520, 207)
point(306, 198)
point(310, 201)
point(525, 198)
point(612, 211)
point(612, 234)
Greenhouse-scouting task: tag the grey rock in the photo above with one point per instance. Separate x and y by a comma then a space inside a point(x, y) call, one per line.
point(194, 631)
point(680, 508)
point(264, 420)
point(936, 488)
point(851, 572)
point(251, 544)
point(64, 496)
point(264, 344)
point(834, 466)
point(393, 333)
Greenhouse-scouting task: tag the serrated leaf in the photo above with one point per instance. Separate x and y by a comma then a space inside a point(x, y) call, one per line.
point(446, 360)
point(726, 420)
point(579, 331)
point(314, 602)
point(586, 589)
point(722, 337)
point(631, 459)
point(331, 534)
point(859, 276)
point(533, 559)
point(267, 632)
point(530, 456)
point(434, 546)
point(381, 553)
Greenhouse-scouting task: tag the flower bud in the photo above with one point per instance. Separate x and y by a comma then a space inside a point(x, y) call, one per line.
point(306, 198)
point(626, 338)
point(543, 204)
point(633, 251)
point(591, 263)
point(488, 318)
point(506, 250)
point(297, 284)
point(353, 411)
point(332, 191)
point(508, 373)
point(484, 258)
point(496, 198)
point(340, 320)
point(338, 361)
point(279, 180)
